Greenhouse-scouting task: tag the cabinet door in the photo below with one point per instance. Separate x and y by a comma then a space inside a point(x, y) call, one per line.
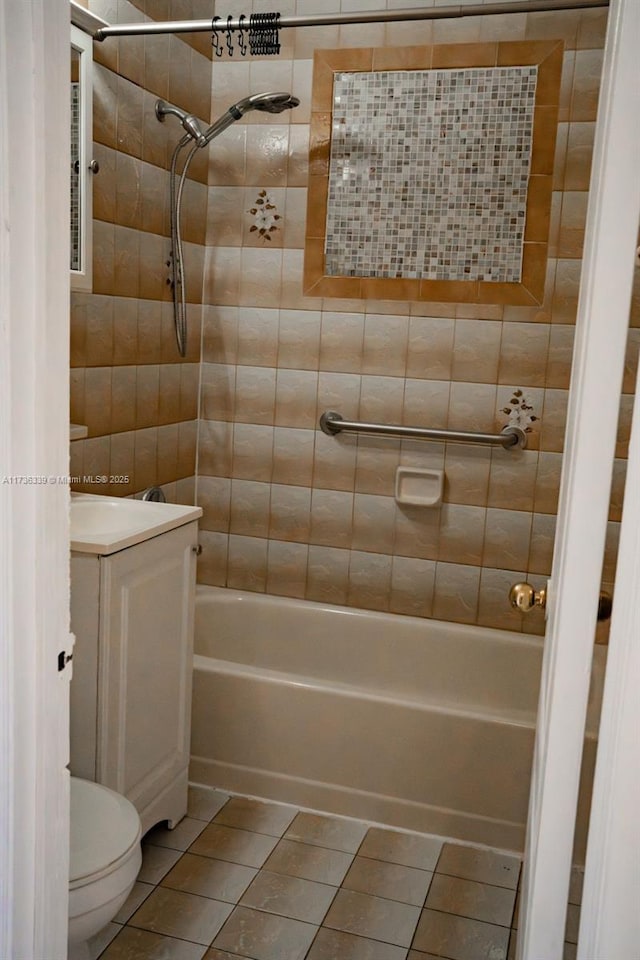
point(146, 654)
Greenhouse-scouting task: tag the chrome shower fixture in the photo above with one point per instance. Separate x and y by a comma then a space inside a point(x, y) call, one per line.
point(192, 141)
point(265, 102)
point(187, 120)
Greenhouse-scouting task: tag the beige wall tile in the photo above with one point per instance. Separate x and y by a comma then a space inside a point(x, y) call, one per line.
point(147, 395)
point(426, 403)
point(543, 531)
point(220, 334)
point(97, 400)
point(586, 85)
point(369, 580)
point(523, 353)
point(385, 345)
point(252, 451)
point(412, 583)
point(462, 531)
point(290, 516)
point(417, 533)
point(293, 455)
point(267, 154)
point(331, 518)
point(187, 436)
point(548, 482)
point(373, 523)
point(257, 336)
point(255, 394)
point(456, 592)
point(553, 420)
point(327, 574)
point(215, 448)
point(471, 406)
point(168, 454)
point(249, 508)
point(382, 399)
point(430, 347)
point(212, 563)
point(218, 390)
point(512, 479)
point(287, 568)
point(494, 609)
point(339, 392)
point(299, 339)
point(76, 398)
point(467, 474)
point(334, 461)
point(260, 277)
point(376, 464)
point(476, 350)
point(296, 398)
point(341, 342)
point(214, 496)
point(247, 569)
point(507, 538)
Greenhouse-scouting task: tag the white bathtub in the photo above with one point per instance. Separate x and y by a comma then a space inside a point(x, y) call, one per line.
point(415, 723)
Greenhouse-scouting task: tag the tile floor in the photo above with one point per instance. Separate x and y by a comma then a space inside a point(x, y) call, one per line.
point(241, 879)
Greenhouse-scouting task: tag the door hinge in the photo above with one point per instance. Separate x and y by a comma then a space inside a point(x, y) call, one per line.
point(63, 659)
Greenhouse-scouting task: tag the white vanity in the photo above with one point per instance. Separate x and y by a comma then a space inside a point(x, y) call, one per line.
point(133, 567)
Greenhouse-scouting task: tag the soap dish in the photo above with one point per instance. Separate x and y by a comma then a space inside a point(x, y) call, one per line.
point(419, 488)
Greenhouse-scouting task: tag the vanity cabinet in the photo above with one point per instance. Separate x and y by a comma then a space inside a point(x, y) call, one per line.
point(132, 615)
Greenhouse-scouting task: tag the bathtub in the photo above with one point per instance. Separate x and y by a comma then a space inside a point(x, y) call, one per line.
point(418, 724)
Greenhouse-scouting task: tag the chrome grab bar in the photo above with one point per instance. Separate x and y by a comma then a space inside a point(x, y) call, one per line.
point(509, 437)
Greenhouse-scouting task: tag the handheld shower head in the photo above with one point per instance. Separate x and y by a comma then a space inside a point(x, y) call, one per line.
point(265, 102)
point(187, 120)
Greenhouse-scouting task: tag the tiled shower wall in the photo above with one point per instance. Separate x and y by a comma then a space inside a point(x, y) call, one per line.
point(292, 511)
point(128, 383)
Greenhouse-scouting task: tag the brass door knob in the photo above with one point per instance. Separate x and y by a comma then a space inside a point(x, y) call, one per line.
point(523, 597)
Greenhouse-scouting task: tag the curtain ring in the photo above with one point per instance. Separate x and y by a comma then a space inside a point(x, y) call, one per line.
point(242, 43)
point(229, 36)
point(215, 40)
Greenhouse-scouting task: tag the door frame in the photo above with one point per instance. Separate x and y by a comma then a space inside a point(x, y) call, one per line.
point(592, 417)
point(34, 443)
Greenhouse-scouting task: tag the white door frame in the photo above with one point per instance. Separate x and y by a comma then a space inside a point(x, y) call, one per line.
point(34, 443)
point(610, 919)
point(596, 380)
point(34, 536)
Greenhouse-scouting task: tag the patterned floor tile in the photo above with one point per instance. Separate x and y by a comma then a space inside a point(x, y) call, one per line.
point(208, 877)
point(289, 896)
point(265, 936)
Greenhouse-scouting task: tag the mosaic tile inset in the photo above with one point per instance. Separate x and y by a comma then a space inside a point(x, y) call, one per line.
point(74, 211)
point(428, 173)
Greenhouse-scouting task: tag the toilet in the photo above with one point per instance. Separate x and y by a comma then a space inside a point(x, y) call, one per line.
point(104, 862)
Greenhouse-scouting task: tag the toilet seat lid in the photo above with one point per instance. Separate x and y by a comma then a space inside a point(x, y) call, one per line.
point(104, 827)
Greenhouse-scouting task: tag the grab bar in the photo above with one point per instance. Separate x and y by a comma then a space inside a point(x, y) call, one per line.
point(509, 438)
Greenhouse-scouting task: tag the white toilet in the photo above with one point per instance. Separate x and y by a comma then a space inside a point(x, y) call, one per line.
point(104, 862)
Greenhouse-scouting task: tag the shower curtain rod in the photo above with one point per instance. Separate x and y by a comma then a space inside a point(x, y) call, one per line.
point(327, 19)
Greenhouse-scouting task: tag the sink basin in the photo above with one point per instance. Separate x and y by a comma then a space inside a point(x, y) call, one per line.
point(104, 525)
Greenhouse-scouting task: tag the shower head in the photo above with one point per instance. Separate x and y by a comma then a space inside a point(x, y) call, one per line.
point(187, 120)
point(265, 102)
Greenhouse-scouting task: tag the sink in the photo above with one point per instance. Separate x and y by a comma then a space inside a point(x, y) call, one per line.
point(104, 525)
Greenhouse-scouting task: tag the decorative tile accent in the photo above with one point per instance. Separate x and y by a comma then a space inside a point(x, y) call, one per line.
point(520, 412)
point(265, 215)
point(428, 173)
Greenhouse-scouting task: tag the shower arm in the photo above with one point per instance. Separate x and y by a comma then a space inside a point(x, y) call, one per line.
point(455, 11)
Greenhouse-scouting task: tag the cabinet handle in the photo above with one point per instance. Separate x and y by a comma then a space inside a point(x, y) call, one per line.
point(197, 549)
